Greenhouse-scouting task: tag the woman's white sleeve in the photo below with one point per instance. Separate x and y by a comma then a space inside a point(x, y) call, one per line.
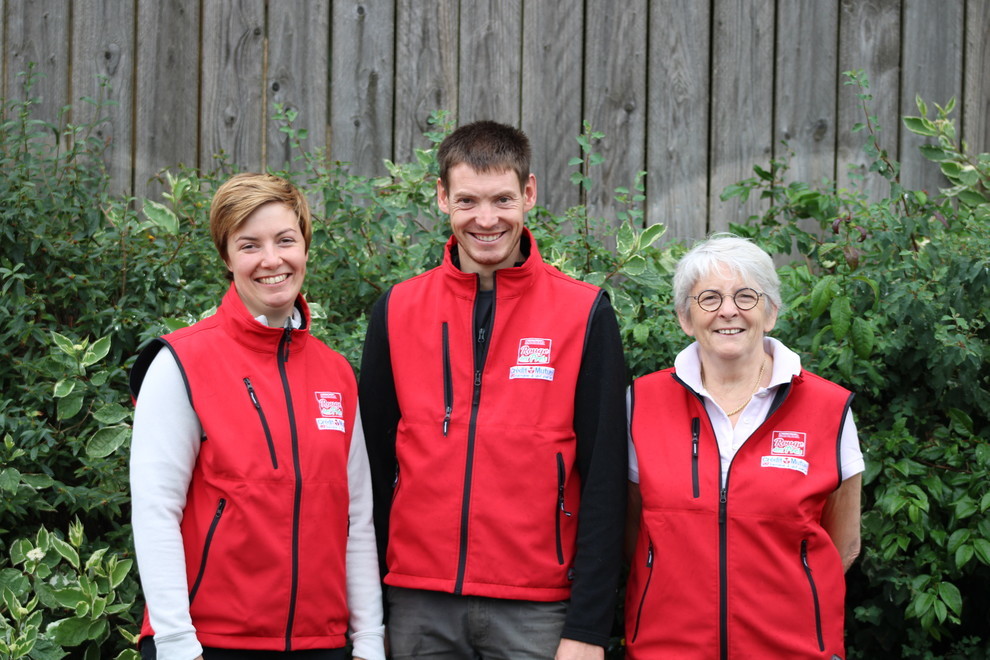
point(164, 447)
point(364, 591)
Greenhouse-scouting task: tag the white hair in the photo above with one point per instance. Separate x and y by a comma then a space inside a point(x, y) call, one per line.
point(740, 255)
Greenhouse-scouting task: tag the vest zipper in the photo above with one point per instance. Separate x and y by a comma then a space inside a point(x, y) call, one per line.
point(480, 356)
point(560, 509)
point(695, 434)
point(448, 382)
point(283, 357)
point(646, 589)
point(264, 421)
point(814, 593)
point(206, 548)
point(723, 570)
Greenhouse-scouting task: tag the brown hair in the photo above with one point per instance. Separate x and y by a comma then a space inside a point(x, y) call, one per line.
point(243, 194)
point(485, 146)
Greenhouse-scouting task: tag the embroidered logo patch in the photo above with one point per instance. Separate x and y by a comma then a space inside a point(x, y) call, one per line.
point(331, 411)
point(788, 443)
point(532, 360)
point(785, 462)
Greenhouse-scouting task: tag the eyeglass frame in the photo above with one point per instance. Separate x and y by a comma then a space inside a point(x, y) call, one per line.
point(721, 300)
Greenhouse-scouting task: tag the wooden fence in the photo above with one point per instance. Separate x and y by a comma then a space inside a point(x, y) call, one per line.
point(695, 92)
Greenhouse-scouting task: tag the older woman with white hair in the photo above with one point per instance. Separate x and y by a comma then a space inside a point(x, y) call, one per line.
point(745, 477)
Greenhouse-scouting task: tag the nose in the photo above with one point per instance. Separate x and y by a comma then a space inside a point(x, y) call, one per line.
point(270, 257)
point(486, 217)
point(728, 307)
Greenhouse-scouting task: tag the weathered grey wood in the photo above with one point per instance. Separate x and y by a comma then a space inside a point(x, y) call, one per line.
point(933, 48)
point(551, 97)
point(168, 69)
point(742, 103)
point(298, 76)
point(869, 40)
point(103, 70)
point(233, 83)
point(37, 32)
point(677, 118)
point(425, 70)
point(362, 60)
point(490, 60)
point(4, 55)
point(615, 89)
point(976, 87)
point(805, 88)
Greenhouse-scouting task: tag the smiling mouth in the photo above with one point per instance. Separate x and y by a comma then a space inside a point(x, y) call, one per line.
point(275, 279)
point(729, 331)
point(488, 238)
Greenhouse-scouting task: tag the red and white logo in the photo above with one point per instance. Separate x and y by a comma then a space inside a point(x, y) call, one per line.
point(534, 351)
point(331, 411)
point(788, 443)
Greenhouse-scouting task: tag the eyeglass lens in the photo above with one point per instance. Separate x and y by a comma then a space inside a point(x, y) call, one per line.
point(710, 300)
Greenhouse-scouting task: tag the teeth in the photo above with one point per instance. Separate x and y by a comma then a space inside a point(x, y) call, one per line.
point(730, 331)
point(487, 238)
point(273, 280)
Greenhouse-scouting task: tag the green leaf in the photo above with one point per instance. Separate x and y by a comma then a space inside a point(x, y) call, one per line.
point(70, 406)
point(982, 549)
point(652, 233)
point(119, 572)
point(863, 338)
point(94, 559)
point(69, 597)
point(635, 266)
point(641, 332)
point(161, 216)
point(106, 441)
point(841, 315)
point(64, 344)
point(70, 632)
point(950, 595)
point(112, 413)
point(66, 550)
point(10, 479)
point(174, 324)
point(19, 550)
point(921, 126)
point(821, 296)
point(934, 153)
point(96, 352)
point(958, 537)
point(64, 387)
point(626, 240)
point(963, 554)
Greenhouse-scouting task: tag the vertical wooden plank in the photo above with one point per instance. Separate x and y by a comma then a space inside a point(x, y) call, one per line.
point(677, 120)
point(932, 49)
point(166, 122)
point(805, 95)
point(742, 102)
point(362, 91)
point(976, 89)
point(489, 71)
point(425, 69)
point(232, 85)
point(4, 55)
point(615, 90)
point(298, 75)
point(36, 33)
point(869, 39)
point(551, 96)
point(103, 70)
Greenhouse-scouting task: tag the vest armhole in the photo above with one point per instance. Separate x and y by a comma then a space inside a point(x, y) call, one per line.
point(591, 318)
point(143, 362)
point(838, 439)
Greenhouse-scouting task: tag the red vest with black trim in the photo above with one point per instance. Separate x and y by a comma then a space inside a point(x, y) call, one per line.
point(743, 569)
point(266, 518)
point(487, 492)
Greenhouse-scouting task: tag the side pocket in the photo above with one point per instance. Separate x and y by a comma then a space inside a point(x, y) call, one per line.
point(206, 548)
point(448, 382)
point(814, 593)
point(264, 421)
point(646, 589)
point(560, 509)
point(695, 434)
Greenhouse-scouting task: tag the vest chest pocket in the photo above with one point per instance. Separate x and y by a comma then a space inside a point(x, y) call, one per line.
point(264, 421)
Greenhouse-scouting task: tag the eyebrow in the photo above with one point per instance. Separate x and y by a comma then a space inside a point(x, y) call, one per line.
point(245, 237)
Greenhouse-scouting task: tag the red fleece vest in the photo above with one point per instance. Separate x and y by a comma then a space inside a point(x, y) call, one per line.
point(487, 494)
point(745, 569)
point(266, 520)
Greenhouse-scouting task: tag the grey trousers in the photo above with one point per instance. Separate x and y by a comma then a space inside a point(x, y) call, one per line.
point(442, 626)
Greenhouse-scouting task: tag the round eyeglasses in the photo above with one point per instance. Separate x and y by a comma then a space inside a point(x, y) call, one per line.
point(711, 300)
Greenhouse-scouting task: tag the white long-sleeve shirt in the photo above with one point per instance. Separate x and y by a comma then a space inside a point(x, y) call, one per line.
point(164, 448)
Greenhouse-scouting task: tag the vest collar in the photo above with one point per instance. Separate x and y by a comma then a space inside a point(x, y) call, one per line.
point(248, 331)
point(509, 282)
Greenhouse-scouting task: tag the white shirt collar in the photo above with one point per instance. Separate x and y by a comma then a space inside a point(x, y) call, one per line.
point(786, 364)
point(295, 319)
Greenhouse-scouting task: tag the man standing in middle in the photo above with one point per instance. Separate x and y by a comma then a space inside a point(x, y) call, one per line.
point(492, 394)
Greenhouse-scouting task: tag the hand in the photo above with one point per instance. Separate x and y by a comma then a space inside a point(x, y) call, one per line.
point(571, 649)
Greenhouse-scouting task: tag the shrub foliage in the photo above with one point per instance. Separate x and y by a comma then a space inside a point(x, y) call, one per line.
point(886, 297)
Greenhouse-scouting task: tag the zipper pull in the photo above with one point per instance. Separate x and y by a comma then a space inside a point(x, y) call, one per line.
point(446, 421)
point(477, 378)
point(723, 496)
point(220, 508)
point(254, 398)
point(649, 556)
point(481, 335)
point(695, 432)
point(286, 339)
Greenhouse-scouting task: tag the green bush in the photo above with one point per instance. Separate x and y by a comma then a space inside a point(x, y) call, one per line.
point(887, 298)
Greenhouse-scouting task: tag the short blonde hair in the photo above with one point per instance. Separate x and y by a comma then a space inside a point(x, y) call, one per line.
point(243, 194)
